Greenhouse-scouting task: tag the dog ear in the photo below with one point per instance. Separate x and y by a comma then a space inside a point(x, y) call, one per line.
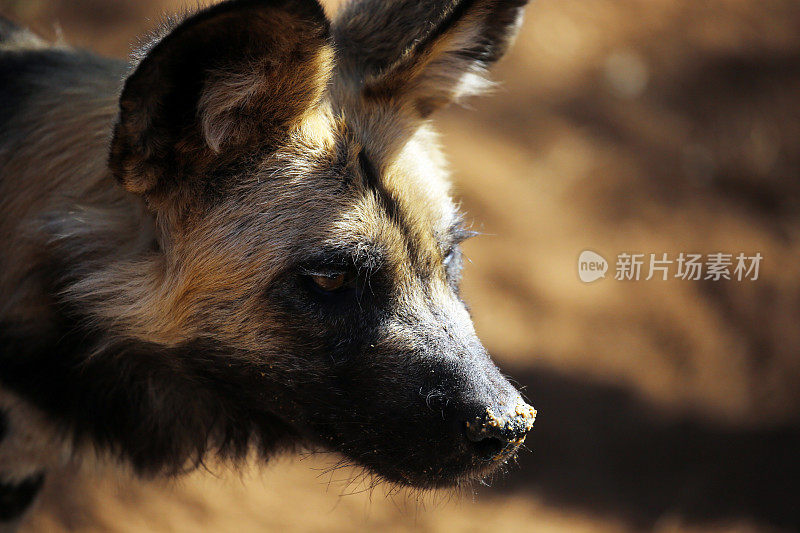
point(229, 79)
point(432, 52)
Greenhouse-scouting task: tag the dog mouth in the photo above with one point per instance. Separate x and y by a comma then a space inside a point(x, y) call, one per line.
point(462, 468)
point(458, 475)
point(438, 454)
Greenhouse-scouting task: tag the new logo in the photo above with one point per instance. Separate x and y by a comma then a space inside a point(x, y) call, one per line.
point(591, 266)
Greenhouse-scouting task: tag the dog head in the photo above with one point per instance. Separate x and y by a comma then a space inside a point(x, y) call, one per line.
point(305, 227)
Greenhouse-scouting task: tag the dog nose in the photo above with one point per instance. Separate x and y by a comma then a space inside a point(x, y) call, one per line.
point(494, 434)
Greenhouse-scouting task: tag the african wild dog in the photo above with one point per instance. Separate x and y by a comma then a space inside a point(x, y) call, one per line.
point(246, 241)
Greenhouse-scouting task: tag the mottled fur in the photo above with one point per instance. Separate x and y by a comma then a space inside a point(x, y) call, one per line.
point(163, 224)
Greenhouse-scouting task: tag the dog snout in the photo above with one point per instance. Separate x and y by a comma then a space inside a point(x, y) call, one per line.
point(494, 432)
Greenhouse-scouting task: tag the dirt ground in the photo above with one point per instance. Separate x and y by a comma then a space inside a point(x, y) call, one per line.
point(653, 126)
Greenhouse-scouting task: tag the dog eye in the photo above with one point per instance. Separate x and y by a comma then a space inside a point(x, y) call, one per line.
point(452, 266)
point(334, 281)
point(449, 257)
point(329, 283)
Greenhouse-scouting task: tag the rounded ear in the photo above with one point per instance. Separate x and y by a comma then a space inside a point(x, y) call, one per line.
point(224, 82)
point(431, 52)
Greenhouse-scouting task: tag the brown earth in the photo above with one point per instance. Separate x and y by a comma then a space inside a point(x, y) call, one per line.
point(646, 126)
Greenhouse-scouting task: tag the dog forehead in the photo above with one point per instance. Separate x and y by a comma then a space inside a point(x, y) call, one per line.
point(401, 192)
point(402, 148)
point(315, 190)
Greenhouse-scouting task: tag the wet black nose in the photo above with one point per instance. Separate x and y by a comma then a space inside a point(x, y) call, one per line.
point(493, 434)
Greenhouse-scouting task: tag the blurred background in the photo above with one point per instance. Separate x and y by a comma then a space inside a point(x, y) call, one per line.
point(651, 126)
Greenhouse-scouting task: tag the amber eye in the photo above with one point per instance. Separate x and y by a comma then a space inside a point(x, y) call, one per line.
point(330, 283)
point(323, 280)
